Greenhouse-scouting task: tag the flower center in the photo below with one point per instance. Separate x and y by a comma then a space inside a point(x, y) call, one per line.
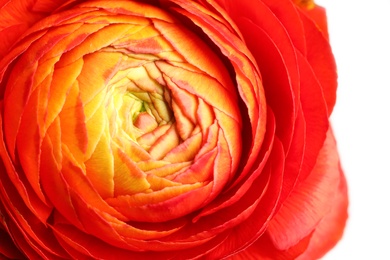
point(137, 103)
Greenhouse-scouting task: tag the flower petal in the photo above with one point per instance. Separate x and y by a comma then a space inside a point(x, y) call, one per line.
point(7, 245)
point(301, 212)
point(331, 227)
point(312, 219)
point(320, 57)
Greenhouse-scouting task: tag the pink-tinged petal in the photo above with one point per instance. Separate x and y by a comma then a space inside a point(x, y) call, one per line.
point(148, 139)
point(331, 228)
point(309, 202)
point(145, 122)
point(163, 145)
point(201, 169)
point(269, 252)
point(186, 104)
point(186, 151)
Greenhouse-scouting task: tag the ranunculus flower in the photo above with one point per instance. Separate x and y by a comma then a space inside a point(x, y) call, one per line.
point(167, 129)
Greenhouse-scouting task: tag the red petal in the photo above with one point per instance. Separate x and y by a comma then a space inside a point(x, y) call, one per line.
point(310, 129)
point(7, 246)
point(17, 16)
point(309, 202)
point(23, 224)
point(320, 57)
point(47, 6)
point(254, 226)
point(320, 217)
point(318, 15)
point(276, 59)
point(270, 253)
point(289, 16)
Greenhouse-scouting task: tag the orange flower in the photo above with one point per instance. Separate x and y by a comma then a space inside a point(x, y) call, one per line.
point(167, 129)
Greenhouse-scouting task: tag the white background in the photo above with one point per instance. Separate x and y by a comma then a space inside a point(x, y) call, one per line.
point(360, 36)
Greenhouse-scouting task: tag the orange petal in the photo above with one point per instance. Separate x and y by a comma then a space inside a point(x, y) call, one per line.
point(18, 15)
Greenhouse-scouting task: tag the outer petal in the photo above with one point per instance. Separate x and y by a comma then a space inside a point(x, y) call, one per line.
point(308, 224)
point(247, 232)
point(300, 108)
point(18, 15)
point(276, 59)
point(315, 12)
point(320, 57)
point(331, 228)
point(7, 247)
